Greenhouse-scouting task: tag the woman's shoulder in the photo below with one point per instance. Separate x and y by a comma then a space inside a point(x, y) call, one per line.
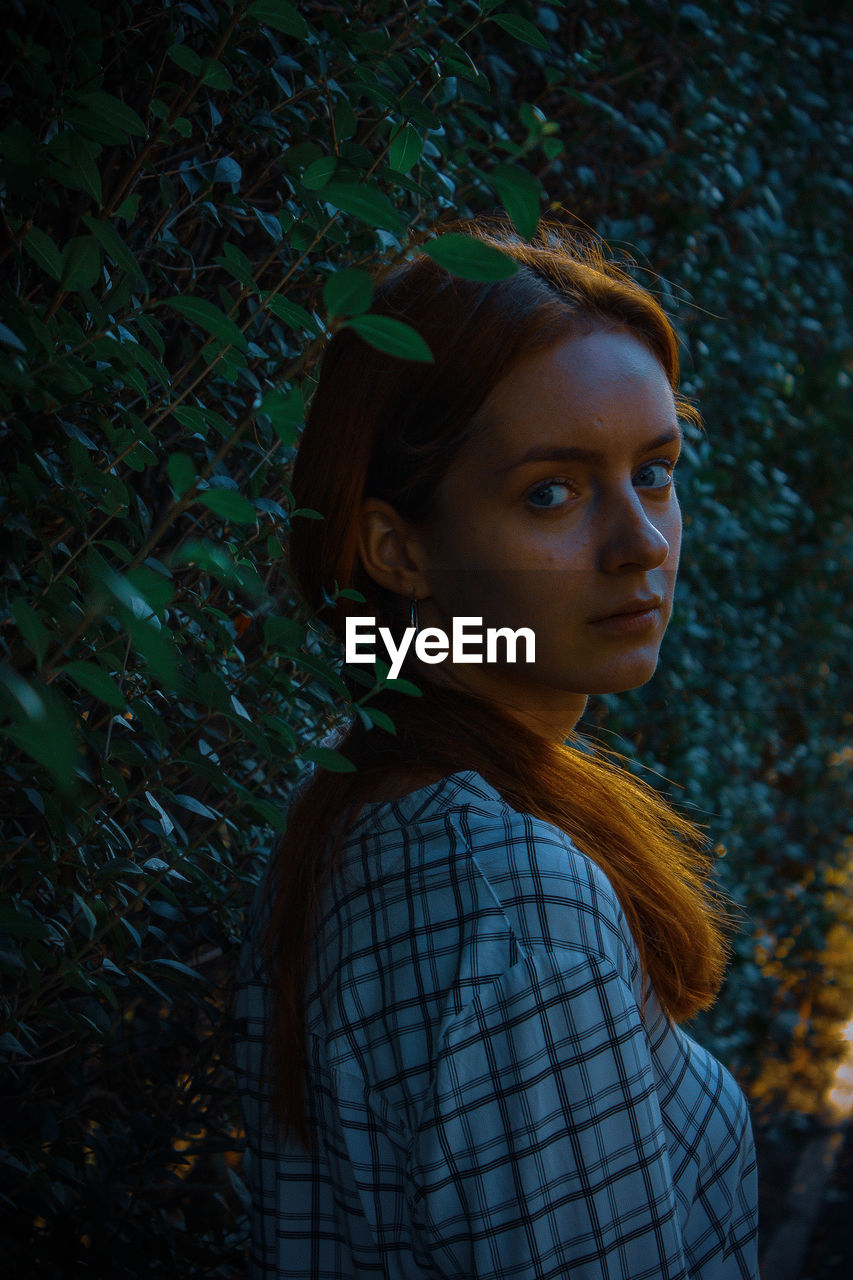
point(458, 842)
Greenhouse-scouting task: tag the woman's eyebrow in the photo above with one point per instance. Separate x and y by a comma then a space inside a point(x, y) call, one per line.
point(571, 453)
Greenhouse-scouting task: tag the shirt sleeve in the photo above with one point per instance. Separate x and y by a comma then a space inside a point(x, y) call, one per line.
point(541, 1150)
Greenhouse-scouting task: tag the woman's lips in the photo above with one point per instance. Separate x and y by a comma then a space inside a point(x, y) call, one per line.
point(629, 623)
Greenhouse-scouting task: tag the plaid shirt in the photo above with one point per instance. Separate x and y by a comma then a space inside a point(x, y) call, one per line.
point(488, 1098)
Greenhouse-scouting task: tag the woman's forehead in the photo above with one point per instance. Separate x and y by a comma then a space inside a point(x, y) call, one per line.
point(577, 393)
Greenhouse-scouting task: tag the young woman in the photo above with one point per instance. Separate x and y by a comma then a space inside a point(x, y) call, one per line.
point(458, 1046)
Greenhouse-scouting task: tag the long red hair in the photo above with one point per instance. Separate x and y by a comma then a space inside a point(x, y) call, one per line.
point(383, 427)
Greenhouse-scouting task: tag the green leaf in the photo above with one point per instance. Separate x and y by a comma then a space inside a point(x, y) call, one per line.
point(43, 726)
point(95, 127)
point(269, 222)
point(455, 61)
point(19, 146)
point(156, 646)
point(400, 685)
point(113, 245)
point(346, 123)
point(283, 633)
point(185, 58)
point(227, 170)
point(292, 314)
point(31, 628)
point(271, 813)
point(128, 208)
point(405, 149)
point(86, 912)
point(10, 339)
point(412, 105)
point(211, 691)
point(156, 588)
point(469, 258)
point(280, 16)
point(155, 643)
point(114, 110)
point(81, 263)
point(348, 292)
point(239, 265)
point(519, 195)
point(285, 411)
point(151, 365)
point(181, 472)
point(228, 505)
point(42, 250)
point(403, 686)
point(209, 318)
point(394, 337)
point(521, 29)
point(214, 74)
point(95, 680)
point(379, 718)
point(11, 1044)
point(210, 557)
point(367, 203)
point(328, 758)
point(182, 968)
point(324, 672)
point(195, 806)
point(319, 173)
point(19, 923)
point(83, 172)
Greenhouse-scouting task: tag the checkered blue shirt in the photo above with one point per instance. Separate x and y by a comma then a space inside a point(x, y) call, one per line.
point(488, 1099)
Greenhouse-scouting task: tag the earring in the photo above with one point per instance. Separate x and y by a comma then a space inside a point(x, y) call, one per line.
point(413, 613)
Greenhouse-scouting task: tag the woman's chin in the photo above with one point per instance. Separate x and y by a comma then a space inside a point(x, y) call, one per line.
point(621, 677)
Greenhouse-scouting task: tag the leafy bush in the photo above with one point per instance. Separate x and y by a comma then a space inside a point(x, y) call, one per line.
point(191, 193)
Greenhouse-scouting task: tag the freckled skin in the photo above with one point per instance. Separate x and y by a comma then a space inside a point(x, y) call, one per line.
point(555, 544)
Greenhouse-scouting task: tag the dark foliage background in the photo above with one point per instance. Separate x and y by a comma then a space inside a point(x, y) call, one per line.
point(189, 193)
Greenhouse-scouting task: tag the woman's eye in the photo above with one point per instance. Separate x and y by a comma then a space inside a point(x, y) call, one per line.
point(553, 493)
point(654, 475)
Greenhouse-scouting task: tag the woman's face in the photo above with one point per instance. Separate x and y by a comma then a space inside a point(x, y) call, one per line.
point(560, 515)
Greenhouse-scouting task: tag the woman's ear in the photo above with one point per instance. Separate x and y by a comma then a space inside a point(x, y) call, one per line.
point(389, 550)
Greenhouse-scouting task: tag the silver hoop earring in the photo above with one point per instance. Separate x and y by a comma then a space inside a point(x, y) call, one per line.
point(413, 613)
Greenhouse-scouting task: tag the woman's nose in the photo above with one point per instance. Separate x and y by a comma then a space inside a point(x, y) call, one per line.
point(631, 539)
